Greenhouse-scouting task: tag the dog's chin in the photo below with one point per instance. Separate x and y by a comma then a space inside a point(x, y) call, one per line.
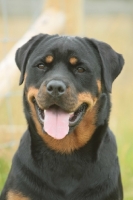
point(74, 117)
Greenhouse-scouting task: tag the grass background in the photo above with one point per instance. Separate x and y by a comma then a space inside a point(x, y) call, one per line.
point(116, 30)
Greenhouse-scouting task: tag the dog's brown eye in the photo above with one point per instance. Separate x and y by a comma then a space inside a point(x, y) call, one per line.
point(80, 70)
point(41, 66)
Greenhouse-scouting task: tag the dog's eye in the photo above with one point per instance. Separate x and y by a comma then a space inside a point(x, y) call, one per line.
point(80, 70)
point(41, 66)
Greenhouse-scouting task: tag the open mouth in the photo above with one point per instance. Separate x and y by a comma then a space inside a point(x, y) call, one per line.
point(57, 122)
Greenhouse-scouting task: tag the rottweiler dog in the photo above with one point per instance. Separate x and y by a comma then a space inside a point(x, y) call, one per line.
point(68, 151)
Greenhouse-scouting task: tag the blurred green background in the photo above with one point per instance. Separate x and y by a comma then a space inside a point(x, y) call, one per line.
point(109, 21)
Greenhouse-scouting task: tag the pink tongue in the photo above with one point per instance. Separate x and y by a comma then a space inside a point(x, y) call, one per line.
point(56, 123)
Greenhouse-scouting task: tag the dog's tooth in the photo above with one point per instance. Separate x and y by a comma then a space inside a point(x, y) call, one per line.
point(71, 115)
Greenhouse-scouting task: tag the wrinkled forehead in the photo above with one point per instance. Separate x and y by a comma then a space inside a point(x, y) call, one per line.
point(64, 46)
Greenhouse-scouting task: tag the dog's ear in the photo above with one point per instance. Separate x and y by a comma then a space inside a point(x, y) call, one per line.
point(112, 63)
point(24, 52)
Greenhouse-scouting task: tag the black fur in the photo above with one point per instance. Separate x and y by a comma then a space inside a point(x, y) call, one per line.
point(90, 173)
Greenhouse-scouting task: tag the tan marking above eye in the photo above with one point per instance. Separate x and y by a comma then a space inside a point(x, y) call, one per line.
point(73, 60)
point(49, 59)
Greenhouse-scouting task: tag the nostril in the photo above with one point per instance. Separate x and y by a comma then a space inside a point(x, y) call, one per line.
point(50, 88)
point(61, 89)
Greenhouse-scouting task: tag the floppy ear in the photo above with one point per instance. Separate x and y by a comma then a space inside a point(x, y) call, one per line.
point(112, 63)
point(24, 52)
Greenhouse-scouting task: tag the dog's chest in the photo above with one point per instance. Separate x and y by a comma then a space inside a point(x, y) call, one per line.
point(66, 178)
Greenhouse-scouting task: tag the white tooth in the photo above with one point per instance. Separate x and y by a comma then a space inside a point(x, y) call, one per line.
point(71, 114)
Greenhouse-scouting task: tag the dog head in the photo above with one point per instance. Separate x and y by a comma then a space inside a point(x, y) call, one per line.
point(65, 79)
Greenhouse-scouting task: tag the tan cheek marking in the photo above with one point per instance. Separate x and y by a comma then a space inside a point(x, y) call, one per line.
point(86, 127)
point(32, 93)
point(16, 196)
point(99, 85)
point(73, 61)
point(49, 59)
point(87, 98)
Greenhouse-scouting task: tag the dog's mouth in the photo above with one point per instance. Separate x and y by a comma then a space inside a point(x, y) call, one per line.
point(56, 122)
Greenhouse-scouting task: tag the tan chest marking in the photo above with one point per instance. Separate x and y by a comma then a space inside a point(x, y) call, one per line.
point(16, 196)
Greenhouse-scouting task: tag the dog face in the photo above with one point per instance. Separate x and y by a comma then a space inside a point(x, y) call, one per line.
point(65, 78)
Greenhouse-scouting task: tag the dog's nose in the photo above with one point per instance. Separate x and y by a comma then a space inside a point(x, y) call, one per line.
point(56, 88)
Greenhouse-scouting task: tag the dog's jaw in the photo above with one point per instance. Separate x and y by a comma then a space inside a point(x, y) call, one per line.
point(77, 135)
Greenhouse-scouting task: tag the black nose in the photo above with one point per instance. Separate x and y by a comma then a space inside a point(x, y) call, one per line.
point(56, 88)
